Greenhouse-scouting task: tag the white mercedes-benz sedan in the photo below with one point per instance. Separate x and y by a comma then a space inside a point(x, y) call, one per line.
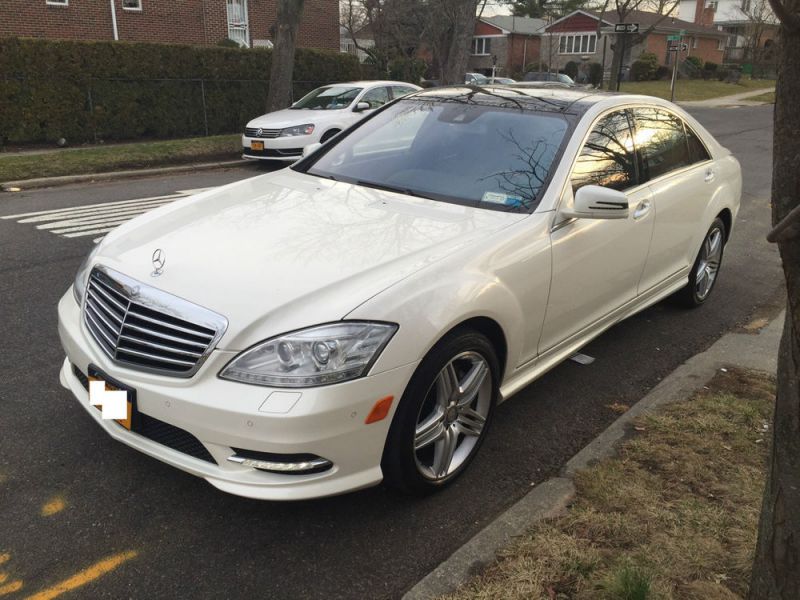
point(316, 118)
point(358, 316)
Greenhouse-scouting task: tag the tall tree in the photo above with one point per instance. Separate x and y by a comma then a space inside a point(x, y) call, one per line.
point(451, 24)
point(776, 568)
point(280, 77)
point(540, 9)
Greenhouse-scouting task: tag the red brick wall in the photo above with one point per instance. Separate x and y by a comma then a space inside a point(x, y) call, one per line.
point(707, 48)
point(166, 21)
point(520, 54)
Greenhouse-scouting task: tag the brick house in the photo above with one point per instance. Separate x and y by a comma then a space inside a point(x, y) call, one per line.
point(751, 23)
point(200, 22)
point(514, 41)
point(574, 38)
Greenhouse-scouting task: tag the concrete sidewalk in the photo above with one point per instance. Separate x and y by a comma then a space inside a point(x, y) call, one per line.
point(732, 100)
point(754, 351)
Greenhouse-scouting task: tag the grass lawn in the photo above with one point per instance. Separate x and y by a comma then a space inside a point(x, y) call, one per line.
point(695, 89)
point(100, 159)
point(768, 97)
point(673, 516)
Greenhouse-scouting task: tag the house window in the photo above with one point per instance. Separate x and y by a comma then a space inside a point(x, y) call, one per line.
point(132, 4)
point(694, 42)
point(237, 22)
point(713, 5)
point(57, 2)
point(577, 43)
point(481, 46)
point(721, 44)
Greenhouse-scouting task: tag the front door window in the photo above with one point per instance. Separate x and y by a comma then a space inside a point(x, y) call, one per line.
point(237, 22)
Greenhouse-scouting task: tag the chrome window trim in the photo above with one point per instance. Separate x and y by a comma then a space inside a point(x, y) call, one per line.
point(162, 302)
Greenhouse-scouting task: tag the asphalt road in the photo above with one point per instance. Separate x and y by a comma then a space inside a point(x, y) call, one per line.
point(70, 497)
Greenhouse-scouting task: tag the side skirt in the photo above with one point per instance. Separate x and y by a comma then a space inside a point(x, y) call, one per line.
point(533, 369)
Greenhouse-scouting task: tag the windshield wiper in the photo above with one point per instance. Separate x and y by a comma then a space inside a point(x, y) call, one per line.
point(389, 188)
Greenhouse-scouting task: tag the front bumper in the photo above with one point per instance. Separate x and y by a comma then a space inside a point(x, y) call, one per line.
point(281, 148)
point(223, 415)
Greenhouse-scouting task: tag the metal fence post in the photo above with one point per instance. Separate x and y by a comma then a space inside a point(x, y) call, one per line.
point(205, 113)
point(91, 110)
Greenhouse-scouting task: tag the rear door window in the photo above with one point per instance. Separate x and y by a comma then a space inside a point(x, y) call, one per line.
point(660, 141)
point(697, 150)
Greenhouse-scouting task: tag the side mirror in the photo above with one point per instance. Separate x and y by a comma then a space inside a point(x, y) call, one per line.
point(362, 106)
point(596, 202)
point(311, 148)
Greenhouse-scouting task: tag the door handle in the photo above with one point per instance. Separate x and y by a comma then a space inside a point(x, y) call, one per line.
point(642, 209)
point(709, 175)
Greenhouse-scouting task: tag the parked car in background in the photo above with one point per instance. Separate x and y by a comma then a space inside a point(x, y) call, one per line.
point(544, 76)
point(502, 80)
point(476, 79)
point(317, 117)
point(358, 316)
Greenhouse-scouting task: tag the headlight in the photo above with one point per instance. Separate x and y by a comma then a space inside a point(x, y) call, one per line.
point(310, 357)
point(82, 276)
point(306, 129)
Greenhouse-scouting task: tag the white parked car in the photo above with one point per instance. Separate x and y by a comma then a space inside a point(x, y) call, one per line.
point(317, 117)
point(358, 317)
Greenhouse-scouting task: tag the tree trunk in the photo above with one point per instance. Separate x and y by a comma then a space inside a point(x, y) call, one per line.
point(617, 53)
point(280, 77)
point(776, 568)
point(455, 46)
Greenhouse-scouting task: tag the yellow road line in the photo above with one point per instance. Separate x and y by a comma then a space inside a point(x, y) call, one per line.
point(54, 506)
point(10, 588)
point(83, 577)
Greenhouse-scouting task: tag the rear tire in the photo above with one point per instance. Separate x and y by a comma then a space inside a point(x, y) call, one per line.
point(444, 414)
point(705, 270)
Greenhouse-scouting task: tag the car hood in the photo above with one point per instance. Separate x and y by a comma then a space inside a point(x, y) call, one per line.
point(287, 250)
point(290, 117)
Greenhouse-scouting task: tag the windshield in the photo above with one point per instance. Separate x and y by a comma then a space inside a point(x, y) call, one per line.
point(328, 98)
point(487, 156)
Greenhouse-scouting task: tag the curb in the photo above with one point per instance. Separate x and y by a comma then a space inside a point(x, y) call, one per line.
point(41, 182)
point(745, 350)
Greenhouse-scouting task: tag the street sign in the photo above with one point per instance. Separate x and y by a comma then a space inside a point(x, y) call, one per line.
point(626, 28)
point(682, 32)
point(673, 38)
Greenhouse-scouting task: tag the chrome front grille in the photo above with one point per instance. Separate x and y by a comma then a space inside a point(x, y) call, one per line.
point(253, 132)
point(146, 329)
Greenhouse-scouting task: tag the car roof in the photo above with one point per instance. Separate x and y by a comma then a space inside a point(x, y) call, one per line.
point(574, 101)
point(366, 83)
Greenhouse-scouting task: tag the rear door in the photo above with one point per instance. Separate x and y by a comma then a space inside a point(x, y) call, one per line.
point(680, 173)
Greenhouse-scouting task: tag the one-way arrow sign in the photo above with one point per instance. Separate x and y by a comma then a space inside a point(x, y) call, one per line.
point(626, 28)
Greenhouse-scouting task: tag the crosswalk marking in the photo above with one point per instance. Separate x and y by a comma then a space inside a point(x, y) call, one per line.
point(95, 219)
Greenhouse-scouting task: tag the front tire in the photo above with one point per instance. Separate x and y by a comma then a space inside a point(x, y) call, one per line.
point(705, 270)
point(444, 414)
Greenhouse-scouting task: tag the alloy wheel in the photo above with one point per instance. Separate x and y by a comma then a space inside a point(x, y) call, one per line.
point(453, 416)
point(708, 263)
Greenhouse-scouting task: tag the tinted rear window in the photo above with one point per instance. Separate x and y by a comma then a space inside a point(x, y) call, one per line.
point(661, 141)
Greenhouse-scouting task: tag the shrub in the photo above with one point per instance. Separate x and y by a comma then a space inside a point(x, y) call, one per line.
point(84, 91)
point(228, 43)
point(696, 61)
point(663, 72)
point(645, 67)
point(595, 73)
point(571, 69)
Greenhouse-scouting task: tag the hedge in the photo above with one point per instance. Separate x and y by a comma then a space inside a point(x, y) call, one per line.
point(88, 91)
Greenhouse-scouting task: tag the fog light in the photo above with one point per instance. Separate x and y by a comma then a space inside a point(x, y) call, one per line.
point(291, 464)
